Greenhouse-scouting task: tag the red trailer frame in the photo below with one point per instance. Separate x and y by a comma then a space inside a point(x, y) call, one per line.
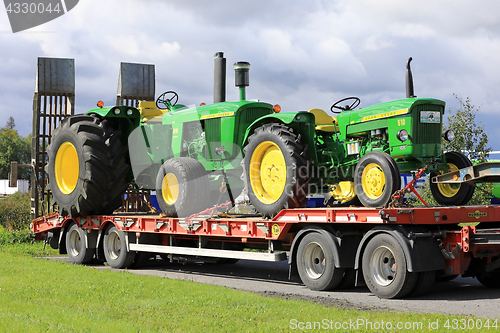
point(429, 239)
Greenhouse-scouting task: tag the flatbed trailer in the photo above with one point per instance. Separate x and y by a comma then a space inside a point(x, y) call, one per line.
point(396, 252)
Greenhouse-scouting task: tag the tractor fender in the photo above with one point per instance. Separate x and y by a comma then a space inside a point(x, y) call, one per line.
point(343, 246)
point(112, 112)
point(422, 253)
point(285, 118)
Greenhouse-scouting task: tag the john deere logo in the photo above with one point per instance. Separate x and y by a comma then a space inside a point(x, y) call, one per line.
point(477, 214)
point(430, 117)
point(24, 14)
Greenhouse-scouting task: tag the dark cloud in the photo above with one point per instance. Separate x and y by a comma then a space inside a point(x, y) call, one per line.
point(303, 54)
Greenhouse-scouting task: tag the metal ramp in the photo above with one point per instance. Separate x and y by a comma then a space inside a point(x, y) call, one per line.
point(53, 101)
point(486, 172)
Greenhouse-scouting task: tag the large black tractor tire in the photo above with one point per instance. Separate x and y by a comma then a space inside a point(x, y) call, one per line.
point(385, 268)
point(182, 187)
point(276, 169)
point(452, 194)
point(376, 178)
point(87, 166)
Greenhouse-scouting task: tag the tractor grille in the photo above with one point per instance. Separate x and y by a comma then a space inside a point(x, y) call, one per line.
point(213, 127)
point(425, 132)
point(249, 115)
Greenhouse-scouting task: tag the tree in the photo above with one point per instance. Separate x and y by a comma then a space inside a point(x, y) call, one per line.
point(14, 147)
point(471, 140)
point(470, 137)
point(11, 123)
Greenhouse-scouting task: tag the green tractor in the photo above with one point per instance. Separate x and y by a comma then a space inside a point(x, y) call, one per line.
point(188, 155)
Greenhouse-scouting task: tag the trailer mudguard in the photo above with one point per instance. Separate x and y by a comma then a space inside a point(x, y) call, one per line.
point(344, 246)
point(422, 253)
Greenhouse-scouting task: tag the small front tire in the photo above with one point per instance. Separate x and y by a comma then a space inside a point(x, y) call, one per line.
point(182, 187)
point(452, 194)
point(376, 179)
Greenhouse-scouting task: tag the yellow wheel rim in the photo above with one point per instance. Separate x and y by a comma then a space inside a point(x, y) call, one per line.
point(267, 172)
point(449, 190)
point(67, 168)
point(344, 191)
point(373, 181)
point(170, 188)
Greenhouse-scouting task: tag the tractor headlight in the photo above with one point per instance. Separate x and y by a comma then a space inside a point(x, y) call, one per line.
point(130, 112)
point(219, 150)
point(402, 135)
point(117, 111)
point(449, 135)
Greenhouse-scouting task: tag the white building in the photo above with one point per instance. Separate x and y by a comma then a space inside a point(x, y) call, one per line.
point(5, 189)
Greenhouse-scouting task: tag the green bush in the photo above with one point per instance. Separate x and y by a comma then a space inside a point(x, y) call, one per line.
point(14, 237)
point(15, 212)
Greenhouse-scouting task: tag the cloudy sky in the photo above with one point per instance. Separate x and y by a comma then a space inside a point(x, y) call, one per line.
point(304, 54)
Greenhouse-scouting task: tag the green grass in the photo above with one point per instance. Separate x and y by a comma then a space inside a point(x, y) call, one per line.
point(38, 294)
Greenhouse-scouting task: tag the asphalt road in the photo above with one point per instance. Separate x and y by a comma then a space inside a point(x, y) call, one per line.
point(462, 296)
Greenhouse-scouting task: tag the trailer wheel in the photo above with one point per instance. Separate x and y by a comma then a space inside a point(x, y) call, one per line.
point(349, 279)
point(452, 194)
point(445, 277)
point(275, 169)
point(182, 187)
point(376, 179)
point(316, 264)
point(76, 247)
point(425, 280)
point(87, 166)
point(385, 268)
point(115, 249)
point(490, 280)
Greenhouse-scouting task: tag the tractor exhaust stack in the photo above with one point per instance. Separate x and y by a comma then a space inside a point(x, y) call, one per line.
point(242, 80)
point(219, 78)
point(410, 93)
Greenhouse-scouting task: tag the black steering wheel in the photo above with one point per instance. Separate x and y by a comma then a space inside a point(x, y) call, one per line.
point(347, 107)
point(167, 102)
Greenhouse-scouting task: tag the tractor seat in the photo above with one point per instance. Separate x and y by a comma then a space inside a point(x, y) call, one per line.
point(149, 110)
point(324, 122)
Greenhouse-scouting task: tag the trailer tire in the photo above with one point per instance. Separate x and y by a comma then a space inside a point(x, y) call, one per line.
point(490, 280)
point(385, 268)
point(452, 194)
point(182, 187)
point(376, 179)
point(425, 280)
point(87, 166)
point(445, 278)
point(274, 150)
point(349, 279)
point(115, 249)
point(316, 263)
point(78, 253)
